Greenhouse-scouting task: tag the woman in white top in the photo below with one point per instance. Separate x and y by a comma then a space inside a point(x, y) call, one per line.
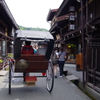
point(61, 60)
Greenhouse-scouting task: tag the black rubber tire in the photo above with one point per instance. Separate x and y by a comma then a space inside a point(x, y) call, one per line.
point(50, 77)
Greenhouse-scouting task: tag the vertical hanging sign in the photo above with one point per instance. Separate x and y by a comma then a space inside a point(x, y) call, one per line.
point(4, 48)
point(71, 18)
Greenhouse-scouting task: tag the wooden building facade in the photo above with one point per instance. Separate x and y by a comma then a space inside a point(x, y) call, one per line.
point(8, 26)
point(78, 22)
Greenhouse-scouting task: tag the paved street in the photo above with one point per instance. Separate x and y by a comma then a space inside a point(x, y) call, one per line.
point(63, 90)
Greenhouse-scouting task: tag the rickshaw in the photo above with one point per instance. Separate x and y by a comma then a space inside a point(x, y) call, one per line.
point(32, 63)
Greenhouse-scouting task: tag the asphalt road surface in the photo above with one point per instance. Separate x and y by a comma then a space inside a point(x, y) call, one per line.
point(63, 90)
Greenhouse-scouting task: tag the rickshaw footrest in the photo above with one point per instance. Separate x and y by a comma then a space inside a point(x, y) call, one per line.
point(30, 80)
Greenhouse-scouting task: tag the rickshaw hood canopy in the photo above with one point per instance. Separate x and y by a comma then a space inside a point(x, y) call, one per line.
point(33, 34)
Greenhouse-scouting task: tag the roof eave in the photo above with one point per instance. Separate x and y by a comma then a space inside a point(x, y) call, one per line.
point(51, 12)
point(4, 5)
point(61, 7)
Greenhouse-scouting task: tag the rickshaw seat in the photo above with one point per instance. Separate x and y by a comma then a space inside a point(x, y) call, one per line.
point(37, 63)
point(33, 57)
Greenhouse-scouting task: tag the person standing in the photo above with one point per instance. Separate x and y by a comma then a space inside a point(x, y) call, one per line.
point(61, 60)
point(54, 61)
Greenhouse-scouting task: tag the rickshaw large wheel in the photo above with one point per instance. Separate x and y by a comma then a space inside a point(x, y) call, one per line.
point(10, 67)
point(50, 77)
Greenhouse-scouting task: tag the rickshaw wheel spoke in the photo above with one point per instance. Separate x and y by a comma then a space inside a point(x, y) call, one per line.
point(50, 77)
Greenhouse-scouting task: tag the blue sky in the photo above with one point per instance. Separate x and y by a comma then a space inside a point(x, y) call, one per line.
point(32, 13)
